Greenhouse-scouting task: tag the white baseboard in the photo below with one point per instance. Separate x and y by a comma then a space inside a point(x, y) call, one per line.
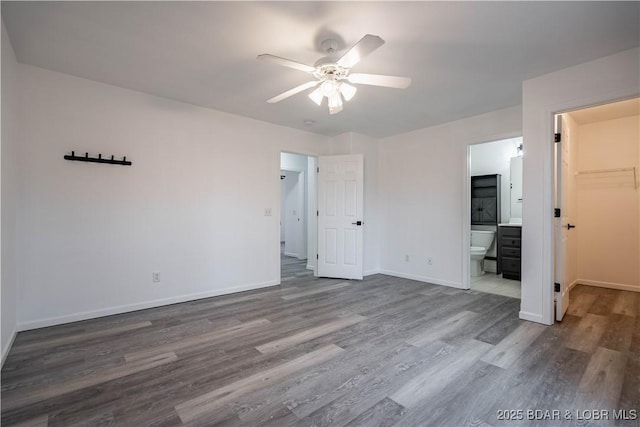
point(310, 267)
point(291, 254)
point(75, 317)
point(572, 285)
point(371, 272)
point(610, 285)
point(532, 317)
point(5, 351)
point(421, 278)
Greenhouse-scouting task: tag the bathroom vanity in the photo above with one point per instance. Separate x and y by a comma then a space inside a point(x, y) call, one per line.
point(509, 250)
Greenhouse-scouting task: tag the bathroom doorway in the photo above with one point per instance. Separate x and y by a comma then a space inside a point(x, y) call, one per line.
point(495, 216)
point(601, 221)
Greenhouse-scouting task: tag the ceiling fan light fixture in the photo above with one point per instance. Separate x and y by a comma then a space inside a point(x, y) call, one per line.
point(335, 103)
point(328, 88)
point(317, 96)
point(331, 74)
point(347, 91)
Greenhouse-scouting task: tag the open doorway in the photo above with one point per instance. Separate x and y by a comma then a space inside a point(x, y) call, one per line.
point(495, 219)
point(298, 222)
point(597, 242)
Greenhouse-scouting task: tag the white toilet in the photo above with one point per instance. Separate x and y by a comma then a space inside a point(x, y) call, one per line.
point(481, 242)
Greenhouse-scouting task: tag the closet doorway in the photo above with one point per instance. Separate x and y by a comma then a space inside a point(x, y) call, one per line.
point(600, 214)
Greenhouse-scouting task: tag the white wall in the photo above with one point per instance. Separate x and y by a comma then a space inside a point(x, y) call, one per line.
point(9, 143)
point(191, 206)
point(606, 79)
point(354, 143)
point(608, 217)
point(424, 196)
point(495, 158)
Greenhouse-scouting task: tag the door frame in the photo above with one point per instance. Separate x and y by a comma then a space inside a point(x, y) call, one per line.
point(310, 226)
point(466, 203)
point(548, 293)
point(302, 228)
point(556, 251)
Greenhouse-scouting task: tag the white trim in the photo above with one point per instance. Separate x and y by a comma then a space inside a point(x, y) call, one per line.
point(610, 285)
point(466, 221)
point(422, 279)
point(572, 285)
point(310, 267)
point(291, 254)
point(51, 321)
point(371, 272)
point(533, 317)
point(5, 351)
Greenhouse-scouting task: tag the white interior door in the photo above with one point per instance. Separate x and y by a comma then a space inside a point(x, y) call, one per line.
point(340, 216)
point(562, 223)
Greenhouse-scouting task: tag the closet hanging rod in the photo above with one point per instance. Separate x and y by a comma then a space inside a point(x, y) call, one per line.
point(633, 169)
point(594, 171)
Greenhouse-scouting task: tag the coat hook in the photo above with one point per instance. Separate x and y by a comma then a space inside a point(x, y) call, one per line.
point(100, 156)
point(86, 155)
point(73, 154)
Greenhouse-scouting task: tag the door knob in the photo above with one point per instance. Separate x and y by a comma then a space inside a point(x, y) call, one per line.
point(357, 223)
point(570, 226)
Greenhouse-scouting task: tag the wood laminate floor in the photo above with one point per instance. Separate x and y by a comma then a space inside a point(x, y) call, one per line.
point(292, 268)
point(319, 352)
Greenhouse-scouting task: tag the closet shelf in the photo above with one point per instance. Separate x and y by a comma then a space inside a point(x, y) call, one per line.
point(615, 170)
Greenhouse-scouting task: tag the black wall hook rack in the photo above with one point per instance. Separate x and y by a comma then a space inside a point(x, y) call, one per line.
point(99, 159)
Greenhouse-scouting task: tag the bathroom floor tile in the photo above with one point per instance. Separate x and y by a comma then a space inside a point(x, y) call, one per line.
point(495, 284)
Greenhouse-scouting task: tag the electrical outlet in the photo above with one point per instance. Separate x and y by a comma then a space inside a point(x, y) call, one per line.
point(267, 211)
point(406, 258)
point(429, 261)
point(155, 276)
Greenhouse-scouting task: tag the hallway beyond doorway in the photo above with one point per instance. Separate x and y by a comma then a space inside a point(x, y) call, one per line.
point(291, 267)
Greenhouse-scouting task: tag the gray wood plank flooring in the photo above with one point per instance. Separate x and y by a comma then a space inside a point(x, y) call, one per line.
point(322, 352)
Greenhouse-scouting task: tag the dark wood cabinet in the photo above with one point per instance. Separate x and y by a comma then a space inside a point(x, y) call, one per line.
point(485, 200)
point(509, 251)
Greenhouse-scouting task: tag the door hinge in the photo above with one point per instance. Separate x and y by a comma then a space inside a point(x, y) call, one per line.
point(556, 213)
point(557, 137)
point(318, 170)
point(317, 256)
point(317, 213)
point(556, 287)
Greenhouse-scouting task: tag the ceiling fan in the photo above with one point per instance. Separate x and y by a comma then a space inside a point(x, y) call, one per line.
point(332, 74)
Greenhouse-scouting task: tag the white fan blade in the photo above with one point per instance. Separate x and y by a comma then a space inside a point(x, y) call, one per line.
point(364, 47)
point(293, 91)
point(287, 63)
point(380, 80)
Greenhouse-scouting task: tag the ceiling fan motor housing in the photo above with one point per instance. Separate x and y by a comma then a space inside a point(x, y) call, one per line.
point(329, 70)
point(329, 46)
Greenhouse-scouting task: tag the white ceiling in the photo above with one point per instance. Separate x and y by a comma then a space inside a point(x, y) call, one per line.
point(465, 58)
point(615, 110)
